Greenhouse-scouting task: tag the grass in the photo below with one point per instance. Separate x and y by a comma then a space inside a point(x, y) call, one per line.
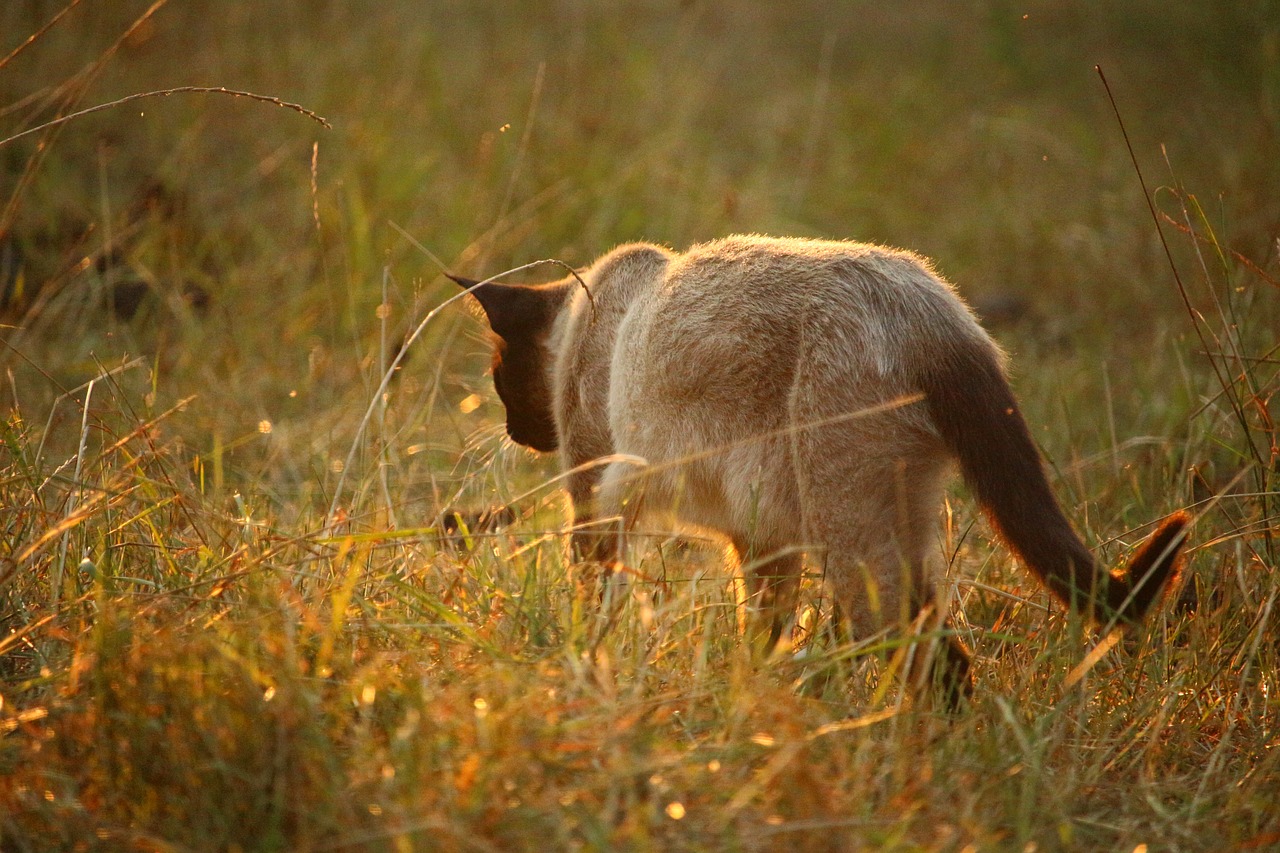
point(195, 656)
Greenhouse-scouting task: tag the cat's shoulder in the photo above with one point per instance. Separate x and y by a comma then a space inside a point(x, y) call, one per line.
point(632, 260)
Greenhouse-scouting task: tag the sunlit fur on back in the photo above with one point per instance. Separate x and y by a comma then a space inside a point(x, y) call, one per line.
point(795, 395)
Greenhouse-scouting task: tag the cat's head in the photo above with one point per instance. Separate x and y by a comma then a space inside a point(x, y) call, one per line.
point(521, 317)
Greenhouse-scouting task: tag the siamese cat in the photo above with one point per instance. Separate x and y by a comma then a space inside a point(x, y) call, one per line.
point(797, 396)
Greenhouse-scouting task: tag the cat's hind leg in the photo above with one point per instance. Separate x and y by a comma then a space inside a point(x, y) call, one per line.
point(870, 491)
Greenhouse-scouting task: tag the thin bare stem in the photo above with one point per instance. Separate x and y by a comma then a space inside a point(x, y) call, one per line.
point(70, 94)
point(391, 370)
point(384, 451)
point(74, 498)
point(1168, 253)
point(162, 93)
point(525, 137)
point(34, 37)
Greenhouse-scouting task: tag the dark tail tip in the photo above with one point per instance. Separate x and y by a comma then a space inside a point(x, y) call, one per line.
point(1150, 571)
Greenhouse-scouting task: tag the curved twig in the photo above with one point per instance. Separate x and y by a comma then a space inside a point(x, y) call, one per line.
point(200, 90)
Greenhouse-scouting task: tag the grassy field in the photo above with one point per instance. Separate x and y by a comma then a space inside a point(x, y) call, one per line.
point(228, 620)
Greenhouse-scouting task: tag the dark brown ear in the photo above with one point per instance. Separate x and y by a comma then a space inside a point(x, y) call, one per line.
point(516, 310)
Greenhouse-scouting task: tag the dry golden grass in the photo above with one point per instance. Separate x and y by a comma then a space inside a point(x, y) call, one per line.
point(195, 655)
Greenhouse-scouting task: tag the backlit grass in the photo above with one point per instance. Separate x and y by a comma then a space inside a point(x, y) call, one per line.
point(202, 293)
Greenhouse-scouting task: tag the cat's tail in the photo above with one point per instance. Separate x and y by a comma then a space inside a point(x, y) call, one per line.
point(973, 408)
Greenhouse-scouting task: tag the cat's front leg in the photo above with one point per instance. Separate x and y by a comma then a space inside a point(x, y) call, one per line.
point(615, 507)
point(601, 518)
point(590, 539)
point(773, 589)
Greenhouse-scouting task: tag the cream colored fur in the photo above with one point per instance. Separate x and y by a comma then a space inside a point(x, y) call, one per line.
point(768, 384)
point(797, 396)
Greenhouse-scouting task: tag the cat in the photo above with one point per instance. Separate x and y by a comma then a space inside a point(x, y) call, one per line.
point(795, 396)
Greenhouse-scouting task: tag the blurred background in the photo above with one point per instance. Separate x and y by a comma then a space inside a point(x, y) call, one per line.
point(242, 250)
point(201, 293)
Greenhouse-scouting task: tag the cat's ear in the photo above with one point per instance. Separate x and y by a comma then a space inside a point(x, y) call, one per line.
point(462, 281)
point(514, 310)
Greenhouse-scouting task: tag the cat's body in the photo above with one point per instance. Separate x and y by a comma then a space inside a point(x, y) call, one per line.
point(795, 396)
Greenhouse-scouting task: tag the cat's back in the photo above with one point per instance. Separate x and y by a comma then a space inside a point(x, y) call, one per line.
point(738, 290)
point(799, 271)
point(729, 320)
